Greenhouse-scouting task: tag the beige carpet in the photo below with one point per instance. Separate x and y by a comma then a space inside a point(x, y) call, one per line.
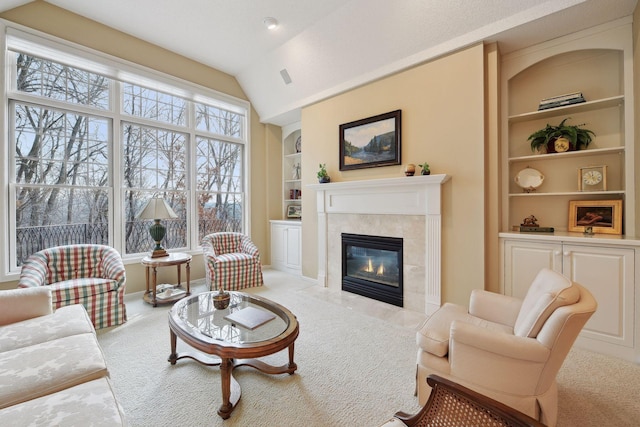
point(355, 368)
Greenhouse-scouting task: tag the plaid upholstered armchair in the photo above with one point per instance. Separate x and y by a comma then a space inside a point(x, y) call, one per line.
point(232, 261)
point(91, 275)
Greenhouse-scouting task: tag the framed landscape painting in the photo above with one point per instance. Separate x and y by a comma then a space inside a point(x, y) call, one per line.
point(370, 142)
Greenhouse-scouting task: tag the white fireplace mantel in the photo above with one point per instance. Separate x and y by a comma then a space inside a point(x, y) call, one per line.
point(416, 195)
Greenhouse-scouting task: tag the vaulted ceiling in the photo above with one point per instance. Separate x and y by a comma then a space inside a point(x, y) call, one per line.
point(330, 46)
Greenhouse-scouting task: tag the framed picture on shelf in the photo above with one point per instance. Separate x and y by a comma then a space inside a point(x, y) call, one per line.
point(294, 211)
point(598, 216)
point(370, 142)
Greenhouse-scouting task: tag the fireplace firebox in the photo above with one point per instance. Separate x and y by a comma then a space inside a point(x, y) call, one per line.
point(372, 267)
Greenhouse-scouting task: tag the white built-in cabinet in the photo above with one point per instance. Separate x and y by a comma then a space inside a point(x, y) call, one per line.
point(607, 269)
point(286, 245)
point(286, 233)
point(599, 63)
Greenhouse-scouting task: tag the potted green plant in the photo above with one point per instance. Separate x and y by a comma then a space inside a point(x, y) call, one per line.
point(323, 176)
point(560, 138)
point(425, 169)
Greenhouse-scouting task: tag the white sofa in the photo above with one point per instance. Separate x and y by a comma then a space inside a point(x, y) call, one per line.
point(52, 369)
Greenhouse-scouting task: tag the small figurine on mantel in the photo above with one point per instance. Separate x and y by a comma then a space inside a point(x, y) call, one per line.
point(530, 221)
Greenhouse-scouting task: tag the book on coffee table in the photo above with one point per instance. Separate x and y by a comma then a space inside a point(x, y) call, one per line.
point(250, 317)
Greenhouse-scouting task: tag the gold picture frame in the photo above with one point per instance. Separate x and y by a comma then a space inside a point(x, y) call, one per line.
point(596, 216)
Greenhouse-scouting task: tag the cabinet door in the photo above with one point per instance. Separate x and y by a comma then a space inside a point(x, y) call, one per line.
point(608, 273)
point(524, 259)
point(294, 240)
point(277, 245)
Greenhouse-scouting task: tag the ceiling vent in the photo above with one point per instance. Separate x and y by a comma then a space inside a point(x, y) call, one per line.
point(285, 76)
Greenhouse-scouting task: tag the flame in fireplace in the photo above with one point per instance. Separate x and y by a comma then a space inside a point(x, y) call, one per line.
point(369, 268)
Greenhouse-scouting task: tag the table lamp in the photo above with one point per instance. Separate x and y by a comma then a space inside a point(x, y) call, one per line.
point(156, 209)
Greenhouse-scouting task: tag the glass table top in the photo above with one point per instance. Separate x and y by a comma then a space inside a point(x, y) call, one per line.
point(197, 316)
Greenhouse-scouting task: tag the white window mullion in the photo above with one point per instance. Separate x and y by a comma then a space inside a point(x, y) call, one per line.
point(116, 232)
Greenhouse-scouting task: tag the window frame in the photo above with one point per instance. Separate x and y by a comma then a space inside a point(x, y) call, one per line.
point(16, 37)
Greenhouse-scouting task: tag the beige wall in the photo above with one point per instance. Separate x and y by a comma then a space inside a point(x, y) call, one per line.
point(636, 97)
point(265, 139)
point(443, 123)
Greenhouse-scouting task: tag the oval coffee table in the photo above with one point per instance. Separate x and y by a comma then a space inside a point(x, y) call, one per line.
point(225, 343)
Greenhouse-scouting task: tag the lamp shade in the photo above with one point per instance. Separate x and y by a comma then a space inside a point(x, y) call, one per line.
point(157, 208)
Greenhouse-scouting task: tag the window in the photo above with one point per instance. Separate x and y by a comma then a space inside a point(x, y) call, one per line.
point(89, 148)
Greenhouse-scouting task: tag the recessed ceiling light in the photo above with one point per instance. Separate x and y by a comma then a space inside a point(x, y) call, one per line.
point(270, 23)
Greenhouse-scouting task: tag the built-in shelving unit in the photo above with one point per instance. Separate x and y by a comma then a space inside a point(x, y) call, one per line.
point(599, 63)
point(292, 173)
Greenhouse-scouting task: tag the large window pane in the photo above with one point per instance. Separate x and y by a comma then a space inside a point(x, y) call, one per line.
point(217, 120)
point(51, 80)
point(57, 148)
point(61, 168)
point(219, 186)
point(150, 104)
point(154, 164)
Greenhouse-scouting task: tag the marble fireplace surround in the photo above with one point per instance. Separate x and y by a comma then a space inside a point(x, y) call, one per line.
point(406, 207)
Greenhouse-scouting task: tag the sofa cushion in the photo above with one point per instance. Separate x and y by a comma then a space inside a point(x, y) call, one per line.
point(80, 289)
point(433, 335)
point(20, 304)
point(64, 322)
point(31, 372)
point(548, 291)
point(88, 404)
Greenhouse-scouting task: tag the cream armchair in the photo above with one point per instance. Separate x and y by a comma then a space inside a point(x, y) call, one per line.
point(505, 348)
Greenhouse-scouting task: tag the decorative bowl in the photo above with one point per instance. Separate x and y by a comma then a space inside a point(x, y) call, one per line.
point(221, 300)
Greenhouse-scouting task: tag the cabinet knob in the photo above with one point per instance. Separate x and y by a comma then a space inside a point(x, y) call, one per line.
point(557, 253)
point(567, 253)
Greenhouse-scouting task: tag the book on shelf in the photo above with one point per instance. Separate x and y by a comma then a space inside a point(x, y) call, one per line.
point(561, 100)
point(562, 97)
point(561, 103)
point(526, 229)
point(250, 317)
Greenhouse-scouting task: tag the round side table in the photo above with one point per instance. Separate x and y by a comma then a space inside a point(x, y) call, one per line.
point(152, 265)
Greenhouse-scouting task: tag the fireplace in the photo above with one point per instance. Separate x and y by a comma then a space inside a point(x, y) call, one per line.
point(403, 207)
point(372, 267)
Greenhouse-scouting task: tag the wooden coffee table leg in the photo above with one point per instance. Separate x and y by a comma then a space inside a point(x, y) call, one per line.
point(230, 389)
point(173, 357)
point(292, 365)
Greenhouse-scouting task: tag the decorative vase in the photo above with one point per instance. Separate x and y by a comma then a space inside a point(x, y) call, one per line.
point(410, 169)
point(424, 172)
point(324, 180)
point(221, 300)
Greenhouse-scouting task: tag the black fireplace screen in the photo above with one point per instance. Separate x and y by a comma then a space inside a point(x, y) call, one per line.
point(372, 267)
